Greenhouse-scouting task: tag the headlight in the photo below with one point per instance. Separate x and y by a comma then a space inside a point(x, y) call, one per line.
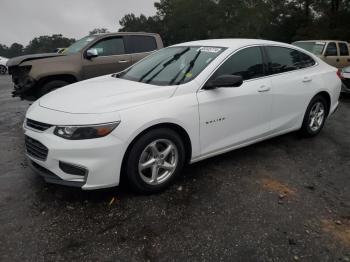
point(85, 132)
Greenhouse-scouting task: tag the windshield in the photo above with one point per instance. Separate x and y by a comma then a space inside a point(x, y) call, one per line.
point(173, 65)
point(79, 45)
point(313, 47)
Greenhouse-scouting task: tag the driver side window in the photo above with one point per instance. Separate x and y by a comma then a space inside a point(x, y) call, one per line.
point(110, 46)
point(247, 63)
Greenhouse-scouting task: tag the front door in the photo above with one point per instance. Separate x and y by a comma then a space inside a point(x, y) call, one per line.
point(236, 115)
point(111, 58)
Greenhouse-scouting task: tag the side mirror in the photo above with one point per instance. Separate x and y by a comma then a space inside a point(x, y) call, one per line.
point(224, 81)
point(91, 53)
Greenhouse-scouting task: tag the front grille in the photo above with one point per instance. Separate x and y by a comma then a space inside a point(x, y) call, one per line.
point(37, 125)
point(36, 149)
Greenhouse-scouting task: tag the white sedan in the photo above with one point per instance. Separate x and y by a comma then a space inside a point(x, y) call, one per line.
point(3, 67)
point(182, 104)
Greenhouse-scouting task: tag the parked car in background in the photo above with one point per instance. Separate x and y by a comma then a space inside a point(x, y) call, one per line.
point(95, 55)
point(335, 53)
point(184, 103)
point(345, 76)
point(3, 67)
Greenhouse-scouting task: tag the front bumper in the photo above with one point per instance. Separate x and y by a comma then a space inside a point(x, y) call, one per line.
point(101, 158)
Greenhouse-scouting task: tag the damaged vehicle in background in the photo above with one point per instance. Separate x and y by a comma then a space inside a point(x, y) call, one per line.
point(36, 75)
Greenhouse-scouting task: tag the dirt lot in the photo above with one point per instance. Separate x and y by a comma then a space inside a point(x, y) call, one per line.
point(286, 199)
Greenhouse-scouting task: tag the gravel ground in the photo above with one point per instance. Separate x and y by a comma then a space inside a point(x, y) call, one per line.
point(285, 199)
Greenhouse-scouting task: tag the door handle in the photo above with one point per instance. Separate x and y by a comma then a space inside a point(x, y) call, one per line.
point(307, 79)
point(123, 61)
point(263, 88)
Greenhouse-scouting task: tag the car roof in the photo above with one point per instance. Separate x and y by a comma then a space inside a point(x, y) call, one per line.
point(233, 43)
point(320, 41)
point(125, 33)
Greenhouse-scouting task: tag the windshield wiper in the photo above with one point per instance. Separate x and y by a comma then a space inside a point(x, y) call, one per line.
point(175, 57)
point(187, 71)
point(150, 71)
point(118, 75)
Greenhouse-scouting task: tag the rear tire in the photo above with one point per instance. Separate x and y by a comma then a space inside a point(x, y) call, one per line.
point(315, 117)
point(155, 160)
point(51, 86)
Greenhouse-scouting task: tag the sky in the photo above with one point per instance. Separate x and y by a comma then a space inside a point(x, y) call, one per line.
point(22, 20)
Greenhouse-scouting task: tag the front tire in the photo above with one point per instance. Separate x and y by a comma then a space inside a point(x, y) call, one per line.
point(155, 160)
point(315, 117)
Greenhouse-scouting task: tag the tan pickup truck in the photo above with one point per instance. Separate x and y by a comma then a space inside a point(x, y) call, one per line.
point(91, 56)
point(335, 53)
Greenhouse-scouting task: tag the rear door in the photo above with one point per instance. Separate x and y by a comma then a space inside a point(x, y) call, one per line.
point(294, 79)
point(111, 58)
point(344, 54)
point(331, 55)
point(140, 46)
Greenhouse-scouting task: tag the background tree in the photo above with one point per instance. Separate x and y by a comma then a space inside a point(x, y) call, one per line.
point(97, 31)
point(281, 20)
point(44, 44)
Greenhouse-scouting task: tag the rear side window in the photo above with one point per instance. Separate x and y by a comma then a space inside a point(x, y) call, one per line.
point(343, 49)
point(282, 59)
point(140, 44)
point(110, 46)
point(331, 49)
point(247, 63)
point(305, 60)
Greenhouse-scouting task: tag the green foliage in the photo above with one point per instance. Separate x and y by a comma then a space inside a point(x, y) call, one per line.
point(280, 20)
point(45, 44)
point(97, 31)
point(41, 44)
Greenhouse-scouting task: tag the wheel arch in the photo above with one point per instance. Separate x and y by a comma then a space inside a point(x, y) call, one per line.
point(327, 97)
point(176, 127)
point(70, 78)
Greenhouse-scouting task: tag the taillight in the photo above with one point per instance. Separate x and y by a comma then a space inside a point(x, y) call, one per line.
point(339, 74)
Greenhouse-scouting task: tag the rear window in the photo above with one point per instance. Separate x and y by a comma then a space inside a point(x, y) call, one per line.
point(313, 47)
point(343, 49)
point(284, 59)
point(140, 44)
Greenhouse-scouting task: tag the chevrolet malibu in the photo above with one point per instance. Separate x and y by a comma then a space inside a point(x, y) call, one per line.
point(182, 104)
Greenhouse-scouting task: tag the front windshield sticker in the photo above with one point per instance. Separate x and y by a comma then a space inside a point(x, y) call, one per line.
point(209, 49)
point(319, 43)
point(90, 39)
point(189, 75)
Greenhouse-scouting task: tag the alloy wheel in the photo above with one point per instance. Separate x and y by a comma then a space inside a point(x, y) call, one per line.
point(317, 115)
point(158, 161)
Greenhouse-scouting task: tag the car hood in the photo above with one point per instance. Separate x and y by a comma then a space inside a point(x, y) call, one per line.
point(20, 59)
point(104, 95)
